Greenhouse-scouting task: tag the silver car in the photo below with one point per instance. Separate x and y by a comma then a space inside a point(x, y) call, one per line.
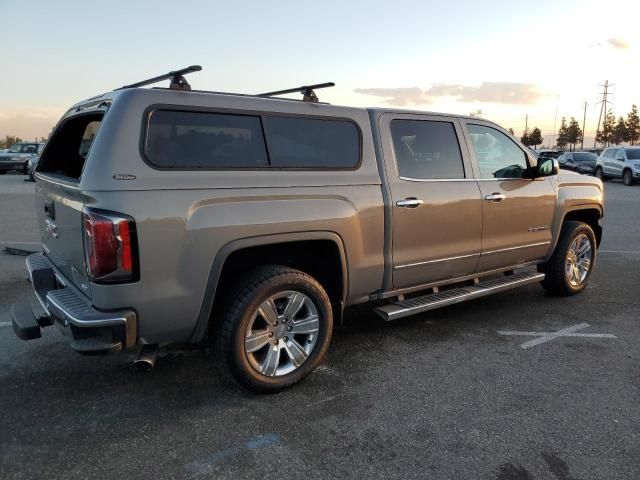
point(619, 162)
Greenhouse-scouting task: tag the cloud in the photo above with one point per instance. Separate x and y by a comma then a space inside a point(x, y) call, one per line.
point(618, 43)
point(487, 92)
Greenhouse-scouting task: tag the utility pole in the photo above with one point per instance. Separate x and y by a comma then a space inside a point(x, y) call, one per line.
point(555, 120)
point(584, 122)
point(603, 108)
point(526, 124)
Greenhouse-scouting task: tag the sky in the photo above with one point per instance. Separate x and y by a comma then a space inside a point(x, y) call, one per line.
point(505, 59)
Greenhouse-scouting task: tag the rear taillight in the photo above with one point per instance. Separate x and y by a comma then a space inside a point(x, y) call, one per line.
point(109, 246)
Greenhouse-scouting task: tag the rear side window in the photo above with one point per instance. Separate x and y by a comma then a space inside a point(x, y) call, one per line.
point(177, 139)
point(426, 150)
point(187, 139)
point(69, 145)
point(312, 143)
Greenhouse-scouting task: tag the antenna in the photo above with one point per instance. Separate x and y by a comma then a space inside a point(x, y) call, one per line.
point(178, 82)
point(307, 91)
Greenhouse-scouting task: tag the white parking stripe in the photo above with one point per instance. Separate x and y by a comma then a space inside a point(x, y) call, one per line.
point(5, 324)
point(544, 337)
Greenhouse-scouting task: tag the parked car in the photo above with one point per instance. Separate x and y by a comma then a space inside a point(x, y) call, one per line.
point(17, 157)
point(549, 153)
point(31, 165)
point(619, 162)
point(581, 162)
point(253, 222)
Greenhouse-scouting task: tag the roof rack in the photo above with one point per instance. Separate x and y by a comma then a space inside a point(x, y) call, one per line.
point(178, 82)
point(307, 91)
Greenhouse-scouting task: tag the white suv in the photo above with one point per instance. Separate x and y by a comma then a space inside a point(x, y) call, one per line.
point(619, 162)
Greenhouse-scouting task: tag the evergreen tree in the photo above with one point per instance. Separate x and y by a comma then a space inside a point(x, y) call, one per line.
point(563, 134)
point(619, 133)
point(605, 135)
point(574, 133)
point(525, 139)
point(633, 125)
point(512, 132)
point(535, 137)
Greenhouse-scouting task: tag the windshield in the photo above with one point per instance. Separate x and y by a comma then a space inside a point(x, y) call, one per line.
point(15, 148)
point(585, 157)
point(633, 153)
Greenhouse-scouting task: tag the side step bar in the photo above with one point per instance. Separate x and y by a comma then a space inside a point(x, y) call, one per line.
point(405, 308)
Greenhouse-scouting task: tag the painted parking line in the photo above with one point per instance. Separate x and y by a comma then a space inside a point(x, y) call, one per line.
point(5, 324)
point(544, 337)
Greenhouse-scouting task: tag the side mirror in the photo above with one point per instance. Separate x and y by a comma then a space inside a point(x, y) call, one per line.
point(547, 167)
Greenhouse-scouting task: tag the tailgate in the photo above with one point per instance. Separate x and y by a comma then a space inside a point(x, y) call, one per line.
point(60, 221)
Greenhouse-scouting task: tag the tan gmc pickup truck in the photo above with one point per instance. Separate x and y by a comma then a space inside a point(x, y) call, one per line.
point(173, 215)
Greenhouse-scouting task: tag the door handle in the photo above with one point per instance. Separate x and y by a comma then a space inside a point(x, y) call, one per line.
point(410, 202)
point(495, 197)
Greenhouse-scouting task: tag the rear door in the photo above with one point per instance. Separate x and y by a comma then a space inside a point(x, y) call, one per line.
point(59, 199)
point(436, 205)
point(608, 163)
point(517, 212)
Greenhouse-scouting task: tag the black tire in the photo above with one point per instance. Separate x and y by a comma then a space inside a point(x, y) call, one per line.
point(627, 177)
point(256, 288)
point(555, 281)
point(2, 172)
point(600, 174)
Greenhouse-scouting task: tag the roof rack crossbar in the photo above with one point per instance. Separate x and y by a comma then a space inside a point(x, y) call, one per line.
point(178, 81)
point(307, 91)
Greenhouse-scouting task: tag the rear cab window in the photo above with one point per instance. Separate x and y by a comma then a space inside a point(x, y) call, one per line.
point(426, 150)
point(67, 149)
point(183, 140)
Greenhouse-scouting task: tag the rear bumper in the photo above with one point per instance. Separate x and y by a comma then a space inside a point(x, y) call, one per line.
point(90, 330)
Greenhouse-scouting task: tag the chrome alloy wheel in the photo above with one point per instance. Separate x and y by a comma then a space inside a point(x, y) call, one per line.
point(578, 261)
point(282, 333)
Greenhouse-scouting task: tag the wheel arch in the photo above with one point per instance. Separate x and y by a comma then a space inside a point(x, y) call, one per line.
point(267, 244)
point(589, 214)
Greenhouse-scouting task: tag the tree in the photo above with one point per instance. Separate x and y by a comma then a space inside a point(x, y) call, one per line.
point(9, 140)
point(563, 134)
point(535, 137)
point(574, 133)
point(525, 139)
point(633, 125)
point(619, 133)
point(512, 132)
point(605, 135)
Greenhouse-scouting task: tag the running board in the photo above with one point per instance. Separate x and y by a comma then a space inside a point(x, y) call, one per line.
point(404, 308)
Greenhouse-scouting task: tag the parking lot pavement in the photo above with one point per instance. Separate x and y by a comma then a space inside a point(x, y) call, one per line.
point(440, 395)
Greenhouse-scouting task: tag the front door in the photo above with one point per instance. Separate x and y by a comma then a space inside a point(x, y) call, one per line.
point(436, 204)
point(517, 212)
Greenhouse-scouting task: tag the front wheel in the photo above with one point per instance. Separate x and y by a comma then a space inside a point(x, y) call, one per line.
point(600, 174)
point(276, 329)
point(568, 270)
point(627, 178)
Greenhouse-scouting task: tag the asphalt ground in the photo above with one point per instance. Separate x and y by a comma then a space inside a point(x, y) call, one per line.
point(441, 395)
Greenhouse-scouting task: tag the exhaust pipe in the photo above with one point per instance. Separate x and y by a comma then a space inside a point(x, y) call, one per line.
point(146, 359)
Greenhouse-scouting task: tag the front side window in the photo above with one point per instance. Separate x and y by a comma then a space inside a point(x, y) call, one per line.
point(178, 139)
point(498, 156)
point(426, 150)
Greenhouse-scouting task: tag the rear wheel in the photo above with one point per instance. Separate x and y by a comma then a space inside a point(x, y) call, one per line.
point(627, 177)
point(276, 329)
point(600, 173)
point(568, 270)
point(2, 172)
